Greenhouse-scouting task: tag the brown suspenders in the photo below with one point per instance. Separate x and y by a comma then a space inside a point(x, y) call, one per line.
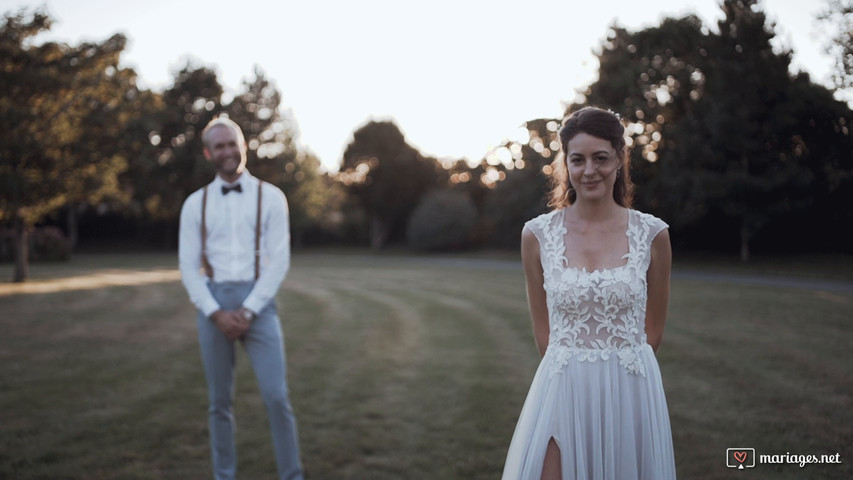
point(208, 270)
point(258, 232)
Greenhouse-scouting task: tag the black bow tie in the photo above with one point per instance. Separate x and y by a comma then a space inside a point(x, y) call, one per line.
point(237, 188)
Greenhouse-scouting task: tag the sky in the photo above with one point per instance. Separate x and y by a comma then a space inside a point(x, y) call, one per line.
point(458, 77)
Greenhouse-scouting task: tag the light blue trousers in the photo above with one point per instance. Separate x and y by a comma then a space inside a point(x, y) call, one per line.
point(264, 345)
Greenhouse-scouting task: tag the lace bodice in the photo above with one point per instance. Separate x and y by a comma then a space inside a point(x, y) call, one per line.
point(594, 315)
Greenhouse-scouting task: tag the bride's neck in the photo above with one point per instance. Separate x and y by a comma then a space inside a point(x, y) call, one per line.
point(596, 211)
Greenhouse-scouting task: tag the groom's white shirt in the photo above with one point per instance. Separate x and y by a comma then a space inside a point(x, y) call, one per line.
point(230, 223)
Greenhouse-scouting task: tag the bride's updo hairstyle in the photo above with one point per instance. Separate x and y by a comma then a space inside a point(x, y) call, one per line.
point(599, 123)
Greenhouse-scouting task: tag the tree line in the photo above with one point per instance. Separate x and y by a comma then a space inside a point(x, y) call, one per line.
point(728, 146)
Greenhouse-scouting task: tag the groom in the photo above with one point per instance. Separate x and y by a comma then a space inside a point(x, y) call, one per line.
point(236, 231)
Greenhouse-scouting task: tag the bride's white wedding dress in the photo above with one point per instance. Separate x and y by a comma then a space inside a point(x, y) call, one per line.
point(598, 391)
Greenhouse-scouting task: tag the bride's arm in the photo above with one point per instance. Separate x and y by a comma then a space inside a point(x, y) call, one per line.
point(535, 288)
point(658, 288)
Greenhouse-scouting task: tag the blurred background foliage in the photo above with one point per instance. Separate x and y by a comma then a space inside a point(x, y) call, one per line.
point(738, 154)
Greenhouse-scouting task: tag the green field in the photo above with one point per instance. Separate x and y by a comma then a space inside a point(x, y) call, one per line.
point(399, 367)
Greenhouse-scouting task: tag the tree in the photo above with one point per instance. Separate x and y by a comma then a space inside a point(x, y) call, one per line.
point(712, 120)
point(141, 141)
point(655, 79)
point(521, 190)
point(746, 120)
point(177, 166)
point(111, 134)
point(838, 17)
point(273, 153)
point(387, 176)
point(171, 164)
point(52, 93)
point(269, 133)
point(822, 143)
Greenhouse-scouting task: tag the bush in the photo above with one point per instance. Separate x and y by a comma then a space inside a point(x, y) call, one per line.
point(514, 201)
point(49, 244)
point(443, 220)
point(45, 244)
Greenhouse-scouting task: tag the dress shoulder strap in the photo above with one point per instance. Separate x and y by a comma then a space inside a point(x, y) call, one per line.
point(643, 229)
point(549, 231)
point(652, 225)
point(540, 226)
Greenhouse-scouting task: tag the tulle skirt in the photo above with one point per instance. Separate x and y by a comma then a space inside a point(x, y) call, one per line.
point(609, 424)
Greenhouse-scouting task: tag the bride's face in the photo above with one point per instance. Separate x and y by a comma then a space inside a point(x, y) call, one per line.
point(592, 163)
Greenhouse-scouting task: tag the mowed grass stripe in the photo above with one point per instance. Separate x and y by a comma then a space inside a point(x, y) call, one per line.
point(425, 341)
point(355, 375)
point(760, 367)
point(84, 371)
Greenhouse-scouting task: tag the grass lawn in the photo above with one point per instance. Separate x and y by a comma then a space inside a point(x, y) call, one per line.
point(399, 368)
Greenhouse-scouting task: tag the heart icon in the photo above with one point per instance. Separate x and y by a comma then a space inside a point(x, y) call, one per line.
point(740, 456)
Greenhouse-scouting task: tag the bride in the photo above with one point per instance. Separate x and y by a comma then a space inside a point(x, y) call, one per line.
point(597, 276)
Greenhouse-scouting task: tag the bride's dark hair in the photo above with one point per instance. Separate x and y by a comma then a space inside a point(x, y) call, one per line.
point(599, 123)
